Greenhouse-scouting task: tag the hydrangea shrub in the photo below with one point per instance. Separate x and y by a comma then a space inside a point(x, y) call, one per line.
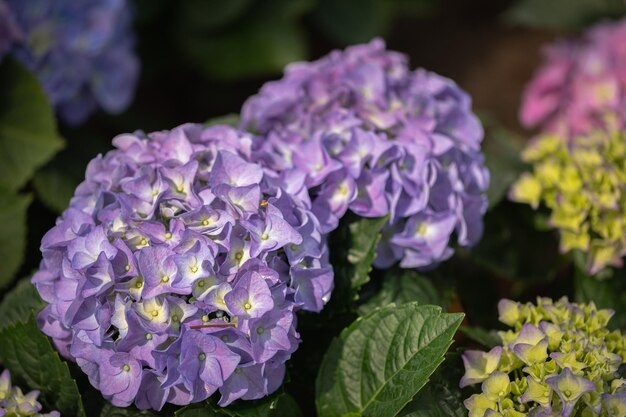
point(582, 84)
point(177, 270)
point(581, 181)
point(378, 139)
point(82, 52)
point(558, 359)
point(14, 403)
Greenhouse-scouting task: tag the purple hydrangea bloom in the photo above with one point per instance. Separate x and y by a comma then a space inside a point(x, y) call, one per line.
point(82, 52)
point(378, 139)
point(13, 402)
point(581, 85)
point(9, 31)
point(178, 268)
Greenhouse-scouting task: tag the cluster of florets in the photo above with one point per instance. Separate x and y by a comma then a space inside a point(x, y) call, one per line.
point(582, 182)
point(378, 139)
point(559, 360)
point(582, 86)
point(13, 402)
point(82, 52)
point(178, 268)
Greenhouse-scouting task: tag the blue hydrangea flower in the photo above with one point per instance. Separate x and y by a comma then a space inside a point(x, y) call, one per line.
point(82, 52)
point(375, 138)
point(178, 268)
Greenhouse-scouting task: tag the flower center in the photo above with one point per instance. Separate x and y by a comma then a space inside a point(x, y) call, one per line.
point(247, 306)
point(194, 269)
point(168, 235)
point(260, 330)
point(126, 368)
point(165, 279)
point(148, 336)
point(265, 236)
point(202, 356)
point(205, 222)
point(239, 255)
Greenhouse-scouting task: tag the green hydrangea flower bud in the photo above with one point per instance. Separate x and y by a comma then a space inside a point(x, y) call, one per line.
point(583, 182)
point(559, 359)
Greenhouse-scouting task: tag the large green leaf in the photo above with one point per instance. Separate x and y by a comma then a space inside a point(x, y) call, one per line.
point(353, 21)
point(28, 135)
point(609, 292)
point(378, 364)
point(352, 251)
point(13, 210)
point(34, 364)
point(55, 187)
point(110, 410)
point(441, 397)
point(20, 303)
point(502, 157)
point(563, 14)
point(201, 15)
point(487, 338)
point(277, 405)
point(259, 43)
point(402, 287)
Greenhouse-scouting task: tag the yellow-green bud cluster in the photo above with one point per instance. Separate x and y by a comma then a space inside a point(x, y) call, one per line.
point(559, 359)
point(583, 183)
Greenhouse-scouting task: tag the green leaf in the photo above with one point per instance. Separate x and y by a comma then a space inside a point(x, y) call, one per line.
point(231, 119)
point(441, 397)
point(260, 43)
point(502, 157)
point(202, 15)
point(198, 410)
point(563, 14)
point(609, 292)
point(33, 363)
point(13, 209)
point(514, 249)
point(353, 21)
point(19, 303)
point(487, 338)
point(276, 405)
point(110, 410)
point(402, 287)
point(353, 249)
point(378, 364)
point(365, 234)
point(28, 135)
point(55, 187)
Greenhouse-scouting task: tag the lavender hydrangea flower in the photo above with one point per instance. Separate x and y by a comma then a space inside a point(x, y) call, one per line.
point(178, 268)
point(377, 139)
point(9, 31)
point(581, 85)
point(82, 52)
point(13, 402)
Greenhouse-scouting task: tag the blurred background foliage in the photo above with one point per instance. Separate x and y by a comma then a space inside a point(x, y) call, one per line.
point(202, 58)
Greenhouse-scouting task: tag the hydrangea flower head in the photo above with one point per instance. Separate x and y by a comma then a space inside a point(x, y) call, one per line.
point(82, 52)
point(559, 359)
point(581, 181)
point(375, 138)
point(14, 403)
point(581, 86)
point(177, 270)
